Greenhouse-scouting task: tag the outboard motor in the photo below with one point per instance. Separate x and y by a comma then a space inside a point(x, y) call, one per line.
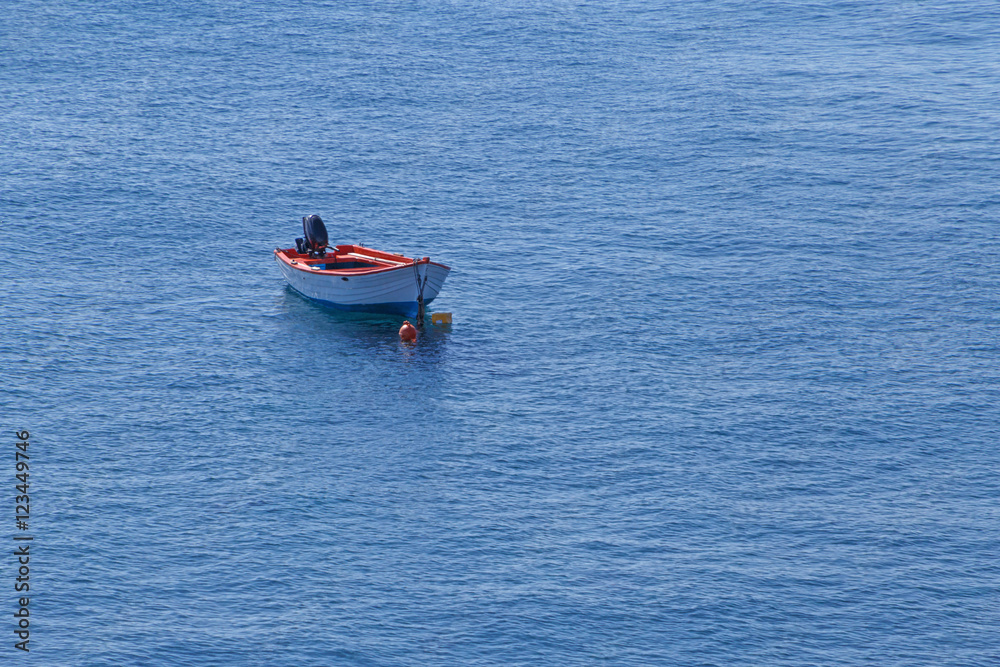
point(316, 238)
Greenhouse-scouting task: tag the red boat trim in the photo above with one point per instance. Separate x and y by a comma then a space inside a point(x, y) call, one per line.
point(304, 262)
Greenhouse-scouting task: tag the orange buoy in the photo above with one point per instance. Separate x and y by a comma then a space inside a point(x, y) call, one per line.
point(407, 332)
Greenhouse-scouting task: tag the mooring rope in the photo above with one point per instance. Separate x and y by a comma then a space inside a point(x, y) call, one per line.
point(420, 291)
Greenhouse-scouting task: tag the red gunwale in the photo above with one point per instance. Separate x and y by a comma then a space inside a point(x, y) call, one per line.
point(387, 261)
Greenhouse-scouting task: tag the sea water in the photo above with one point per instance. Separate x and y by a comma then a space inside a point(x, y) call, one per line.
point(721, 386)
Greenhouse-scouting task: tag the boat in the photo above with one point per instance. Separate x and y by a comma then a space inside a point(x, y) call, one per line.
point(357, 278)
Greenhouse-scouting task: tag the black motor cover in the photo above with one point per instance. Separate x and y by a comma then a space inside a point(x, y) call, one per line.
point(315, 231)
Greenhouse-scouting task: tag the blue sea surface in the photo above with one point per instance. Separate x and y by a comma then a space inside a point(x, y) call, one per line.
point(723, 381)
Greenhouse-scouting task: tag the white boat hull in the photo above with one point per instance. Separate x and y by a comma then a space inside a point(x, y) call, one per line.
point(394, 291)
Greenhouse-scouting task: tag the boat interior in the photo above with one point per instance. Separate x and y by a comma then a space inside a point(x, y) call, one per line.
point(313, 250)
point(347, 258)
